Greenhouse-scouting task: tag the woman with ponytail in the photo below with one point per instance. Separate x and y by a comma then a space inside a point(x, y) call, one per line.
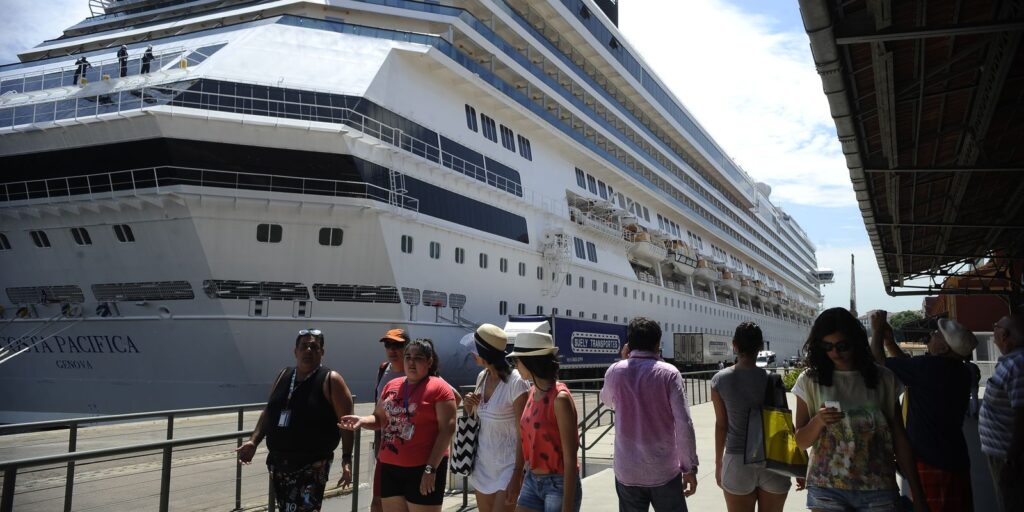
point(498, 401)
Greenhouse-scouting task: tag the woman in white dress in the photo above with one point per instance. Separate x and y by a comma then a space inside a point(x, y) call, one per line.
point(498, 401)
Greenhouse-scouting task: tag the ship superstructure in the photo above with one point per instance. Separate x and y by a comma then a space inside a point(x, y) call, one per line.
point(352, 166)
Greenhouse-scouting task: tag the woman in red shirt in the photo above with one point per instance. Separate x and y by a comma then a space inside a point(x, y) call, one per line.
point(416, 416)
point(549, 430)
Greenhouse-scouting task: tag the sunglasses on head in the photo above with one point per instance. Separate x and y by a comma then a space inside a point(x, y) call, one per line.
point(310, 332)
point(841, 346)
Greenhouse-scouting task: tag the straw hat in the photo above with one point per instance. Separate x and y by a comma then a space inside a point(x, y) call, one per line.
point(530, 344)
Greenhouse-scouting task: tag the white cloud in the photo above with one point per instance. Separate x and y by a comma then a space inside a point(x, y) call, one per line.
point(27, 23)
point(753, 87)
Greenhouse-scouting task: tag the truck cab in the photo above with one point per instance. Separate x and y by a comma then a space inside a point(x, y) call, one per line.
point(765, 359)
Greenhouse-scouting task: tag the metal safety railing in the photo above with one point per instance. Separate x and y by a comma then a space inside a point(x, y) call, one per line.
point(10, 469)
point(110, 184)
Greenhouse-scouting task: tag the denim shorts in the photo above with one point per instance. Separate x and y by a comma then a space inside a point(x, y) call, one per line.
point(543, 493)
point(839, 500)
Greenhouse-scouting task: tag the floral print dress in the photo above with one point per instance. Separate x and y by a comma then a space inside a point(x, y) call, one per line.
point(855, 454)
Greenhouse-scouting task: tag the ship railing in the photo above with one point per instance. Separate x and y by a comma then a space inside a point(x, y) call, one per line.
point(10, 469)
point(63, 76)
point(111, 184)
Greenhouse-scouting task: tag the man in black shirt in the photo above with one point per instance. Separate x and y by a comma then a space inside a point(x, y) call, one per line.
point(938, 386)
point(300, 423)
point(147, 57)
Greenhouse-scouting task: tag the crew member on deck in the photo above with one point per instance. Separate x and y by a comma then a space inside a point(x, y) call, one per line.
point(122, 60)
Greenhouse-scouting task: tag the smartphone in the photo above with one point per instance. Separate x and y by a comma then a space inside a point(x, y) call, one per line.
point(834, 404)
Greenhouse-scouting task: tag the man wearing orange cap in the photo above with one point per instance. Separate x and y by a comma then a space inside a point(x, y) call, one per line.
point(394, 342)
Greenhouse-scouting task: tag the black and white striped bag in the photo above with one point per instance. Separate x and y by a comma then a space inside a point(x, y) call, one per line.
point(467, 427)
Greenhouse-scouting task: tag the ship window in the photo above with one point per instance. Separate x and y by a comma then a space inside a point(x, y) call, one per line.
point(602, 190)
point(507, 139)
point(471, 118)
point(568, 279)
point(503, 265)
point(521, 309)
point(124, 234)
point(605, 318)
point(583, 281)
point(580, 251)
point(540, 310)
point(647, 214)
point(488, 127)
point(435, 250)
point(81, 236)
point(483, 260)
point(605, 286)
point(524, 148)
point(568, 312)
point(581, 179)
point(460, 255)
point(615, 290)
point(268, 233)
point(622, 200)
point(331, 236)
point(407, 244)
point(40, 239)
point(522, 269)
point(593, 285)
point(5, 244)
point(591, 184)
point(625, 292)
point(540, 273)
point(591, 252)
point(503, 307)
point(583, 315)
point(554, 311)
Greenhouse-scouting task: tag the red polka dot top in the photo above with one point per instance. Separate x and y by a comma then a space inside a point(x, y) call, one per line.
point(542, 445)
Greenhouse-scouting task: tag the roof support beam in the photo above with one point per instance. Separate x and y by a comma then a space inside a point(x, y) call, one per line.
point(955, 30)
point(948, 225)
point(948, 169)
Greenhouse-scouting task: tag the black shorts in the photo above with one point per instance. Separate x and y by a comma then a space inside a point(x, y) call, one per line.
point(405, 482)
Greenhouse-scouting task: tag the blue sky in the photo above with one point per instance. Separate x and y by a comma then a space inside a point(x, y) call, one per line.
point(742, 67)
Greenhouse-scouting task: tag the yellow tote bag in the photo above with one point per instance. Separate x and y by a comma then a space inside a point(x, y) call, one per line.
point(771, 438)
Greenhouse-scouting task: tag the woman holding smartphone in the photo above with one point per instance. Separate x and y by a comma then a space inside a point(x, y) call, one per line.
point(846, 413)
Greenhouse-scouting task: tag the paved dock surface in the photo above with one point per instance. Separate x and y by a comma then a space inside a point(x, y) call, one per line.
point(203, 477)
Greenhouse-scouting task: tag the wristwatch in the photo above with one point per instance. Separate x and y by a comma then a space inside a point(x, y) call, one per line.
point(428, 469)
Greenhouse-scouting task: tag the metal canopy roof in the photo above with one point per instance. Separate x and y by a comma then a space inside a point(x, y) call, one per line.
point(928, 101)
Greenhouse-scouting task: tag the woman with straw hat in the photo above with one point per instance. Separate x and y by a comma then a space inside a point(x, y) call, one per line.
point(498, 401)
point(550, 436)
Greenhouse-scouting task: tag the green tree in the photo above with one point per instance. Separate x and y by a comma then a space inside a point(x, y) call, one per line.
point(898, 320)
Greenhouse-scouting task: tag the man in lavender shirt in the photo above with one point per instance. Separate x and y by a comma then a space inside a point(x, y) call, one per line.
point(655, 448)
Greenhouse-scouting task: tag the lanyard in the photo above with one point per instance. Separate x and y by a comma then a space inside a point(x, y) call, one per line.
point(291, 387)
point(411, 391)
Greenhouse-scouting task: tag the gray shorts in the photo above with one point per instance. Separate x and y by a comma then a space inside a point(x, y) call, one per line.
point(739, 478)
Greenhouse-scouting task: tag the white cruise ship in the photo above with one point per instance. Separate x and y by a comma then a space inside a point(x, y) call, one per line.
point(354, 166)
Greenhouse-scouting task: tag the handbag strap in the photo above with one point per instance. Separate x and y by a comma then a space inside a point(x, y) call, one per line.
point(771, 392)
point(479, 380)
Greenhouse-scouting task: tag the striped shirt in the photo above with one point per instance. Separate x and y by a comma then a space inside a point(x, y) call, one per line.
point(1003, 394)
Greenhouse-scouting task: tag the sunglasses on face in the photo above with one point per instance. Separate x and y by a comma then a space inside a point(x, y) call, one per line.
point(310, 332)
point(840, 346)
point(394, 345)
point(310, 345)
